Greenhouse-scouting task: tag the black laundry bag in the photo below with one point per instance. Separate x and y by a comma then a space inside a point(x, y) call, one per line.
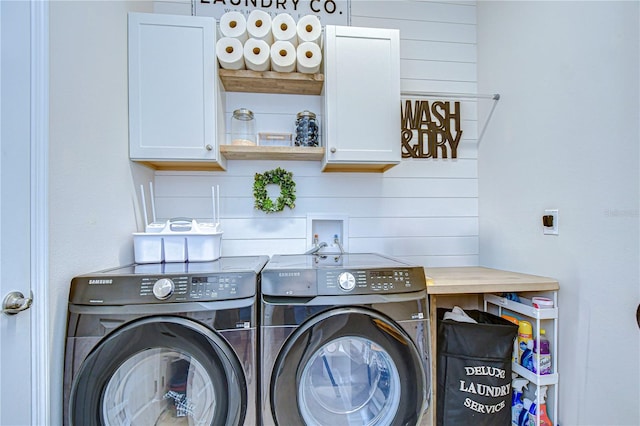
point(474, 370)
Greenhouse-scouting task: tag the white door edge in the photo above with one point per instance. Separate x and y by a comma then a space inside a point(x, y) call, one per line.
point(40, 386)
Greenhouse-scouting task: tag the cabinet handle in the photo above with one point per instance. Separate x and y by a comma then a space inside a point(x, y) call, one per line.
point(638, 315)
point(209, 147)
point(333, 150)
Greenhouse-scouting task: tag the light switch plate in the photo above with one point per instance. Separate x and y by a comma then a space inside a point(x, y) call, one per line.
point(551, 230)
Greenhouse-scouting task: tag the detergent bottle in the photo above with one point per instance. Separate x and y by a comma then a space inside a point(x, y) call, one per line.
point(541, 395)
point(525, 335)
point(527, 357)
point(515, 342)
point(517, 403)
point(542, 355)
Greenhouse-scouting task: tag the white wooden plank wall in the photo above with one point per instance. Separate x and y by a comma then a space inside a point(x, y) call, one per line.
point(423, 210)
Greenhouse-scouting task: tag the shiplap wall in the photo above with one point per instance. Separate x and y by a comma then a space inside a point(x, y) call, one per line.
point(423, 210)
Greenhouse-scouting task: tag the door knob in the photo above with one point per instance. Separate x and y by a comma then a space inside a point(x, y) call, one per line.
point(15, 302)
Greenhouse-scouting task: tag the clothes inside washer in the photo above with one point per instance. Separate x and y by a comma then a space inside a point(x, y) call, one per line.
point(178, 388)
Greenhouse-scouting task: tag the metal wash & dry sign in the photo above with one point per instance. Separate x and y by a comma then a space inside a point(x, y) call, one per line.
point(430, 129)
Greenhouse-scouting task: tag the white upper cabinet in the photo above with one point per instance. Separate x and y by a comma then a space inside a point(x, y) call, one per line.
point(176, 110)
point(361, 99)
point(177, 98)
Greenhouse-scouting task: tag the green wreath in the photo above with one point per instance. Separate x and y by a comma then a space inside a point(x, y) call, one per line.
point(287, 196)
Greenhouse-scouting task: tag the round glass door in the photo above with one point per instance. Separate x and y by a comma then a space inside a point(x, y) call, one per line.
point(159, 386)
point(160, 371)
point(349, 379)
point(344, 366)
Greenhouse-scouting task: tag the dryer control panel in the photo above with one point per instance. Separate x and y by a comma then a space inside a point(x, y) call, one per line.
point(370, 281)
point(337, 275)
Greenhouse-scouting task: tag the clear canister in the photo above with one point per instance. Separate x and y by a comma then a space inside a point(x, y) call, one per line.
point(306, 129)
point(243, 127)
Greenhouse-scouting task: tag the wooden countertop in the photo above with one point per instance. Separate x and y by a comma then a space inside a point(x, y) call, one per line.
point(477, 279)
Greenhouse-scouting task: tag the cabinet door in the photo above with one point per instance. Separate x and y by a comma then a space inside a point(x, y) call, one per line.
point(362, 97)
point(173, 88)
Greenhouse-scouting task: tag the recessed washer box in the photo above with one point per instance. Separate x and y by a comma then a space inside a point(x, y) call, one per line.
point(326, 226)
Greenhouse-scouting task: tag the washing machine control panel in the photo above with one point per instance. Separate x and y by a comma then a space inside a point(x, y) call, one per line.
point(119, 290)
point(370, 281)
point(187, 288)
point(227, 278)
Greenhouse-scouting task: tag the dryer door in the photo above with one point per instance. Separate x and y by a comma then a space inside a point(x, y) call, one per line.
point(160, 370)
point(348, 366)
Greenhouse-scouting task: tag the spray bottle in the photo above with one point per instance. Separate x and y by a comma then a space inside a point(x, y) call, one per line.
point(517, 403)
point(523, 420)
point(531, 415)
point(541, 395)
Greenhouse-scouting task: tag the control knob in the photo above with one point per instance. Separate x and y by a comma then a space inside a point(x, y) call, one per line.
point(346, 281)
point(163, 288)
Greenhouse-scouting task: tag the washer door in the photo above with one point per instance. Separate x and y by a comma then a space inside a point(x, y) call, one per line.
point(348, 366)
point(160, 370)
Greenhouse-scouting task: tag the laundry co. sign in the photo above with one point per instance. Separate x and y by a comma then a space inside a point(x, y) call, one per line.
point(430, 129)
point(332, 12)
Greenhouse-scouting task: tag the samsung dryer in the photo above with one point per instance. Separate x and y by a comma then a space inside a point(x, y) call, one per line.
point(345, 341)
point(171, 343)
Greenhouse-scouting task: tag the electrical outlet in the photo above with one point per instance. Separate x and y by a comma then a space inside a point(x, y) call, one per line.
point(550, 222)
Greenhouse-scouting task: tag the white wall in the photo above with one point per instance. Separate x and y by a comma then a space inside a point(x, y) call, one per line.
point(422, 210)
point(567, 91)
point(91, 187)
point(565, 135)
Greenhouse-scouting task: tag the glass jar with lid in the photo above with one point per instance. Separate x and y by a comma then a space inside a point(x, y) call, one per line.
point(306, 129)
point(243, 127)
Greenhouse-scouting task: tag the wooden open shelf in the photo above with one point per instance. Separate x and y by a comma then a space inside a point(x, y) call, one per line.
point(182, 165)
point(243, 152)
point(271, 82)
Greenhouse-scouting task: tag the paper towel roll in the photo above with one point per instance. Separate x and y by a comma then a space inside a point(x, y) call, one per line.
point(284, 28)
point(234, 24)
point(259, 26)
point(309, 57)
point(257, 55)
point(309, 29)
point(283, 56)
point(230, 53)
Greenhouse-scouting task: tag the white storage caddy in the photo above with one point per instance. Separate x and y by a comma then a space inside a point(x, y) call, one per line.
point(180, 240)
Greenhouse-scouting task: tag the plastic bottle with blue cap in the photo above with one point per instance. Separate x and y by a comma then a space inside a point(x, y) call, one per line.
point(517, 403)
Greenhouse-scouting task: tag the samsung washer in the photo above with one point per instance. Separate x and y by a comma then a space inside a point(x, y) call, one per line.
point(345, 341)
point(157, 344)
